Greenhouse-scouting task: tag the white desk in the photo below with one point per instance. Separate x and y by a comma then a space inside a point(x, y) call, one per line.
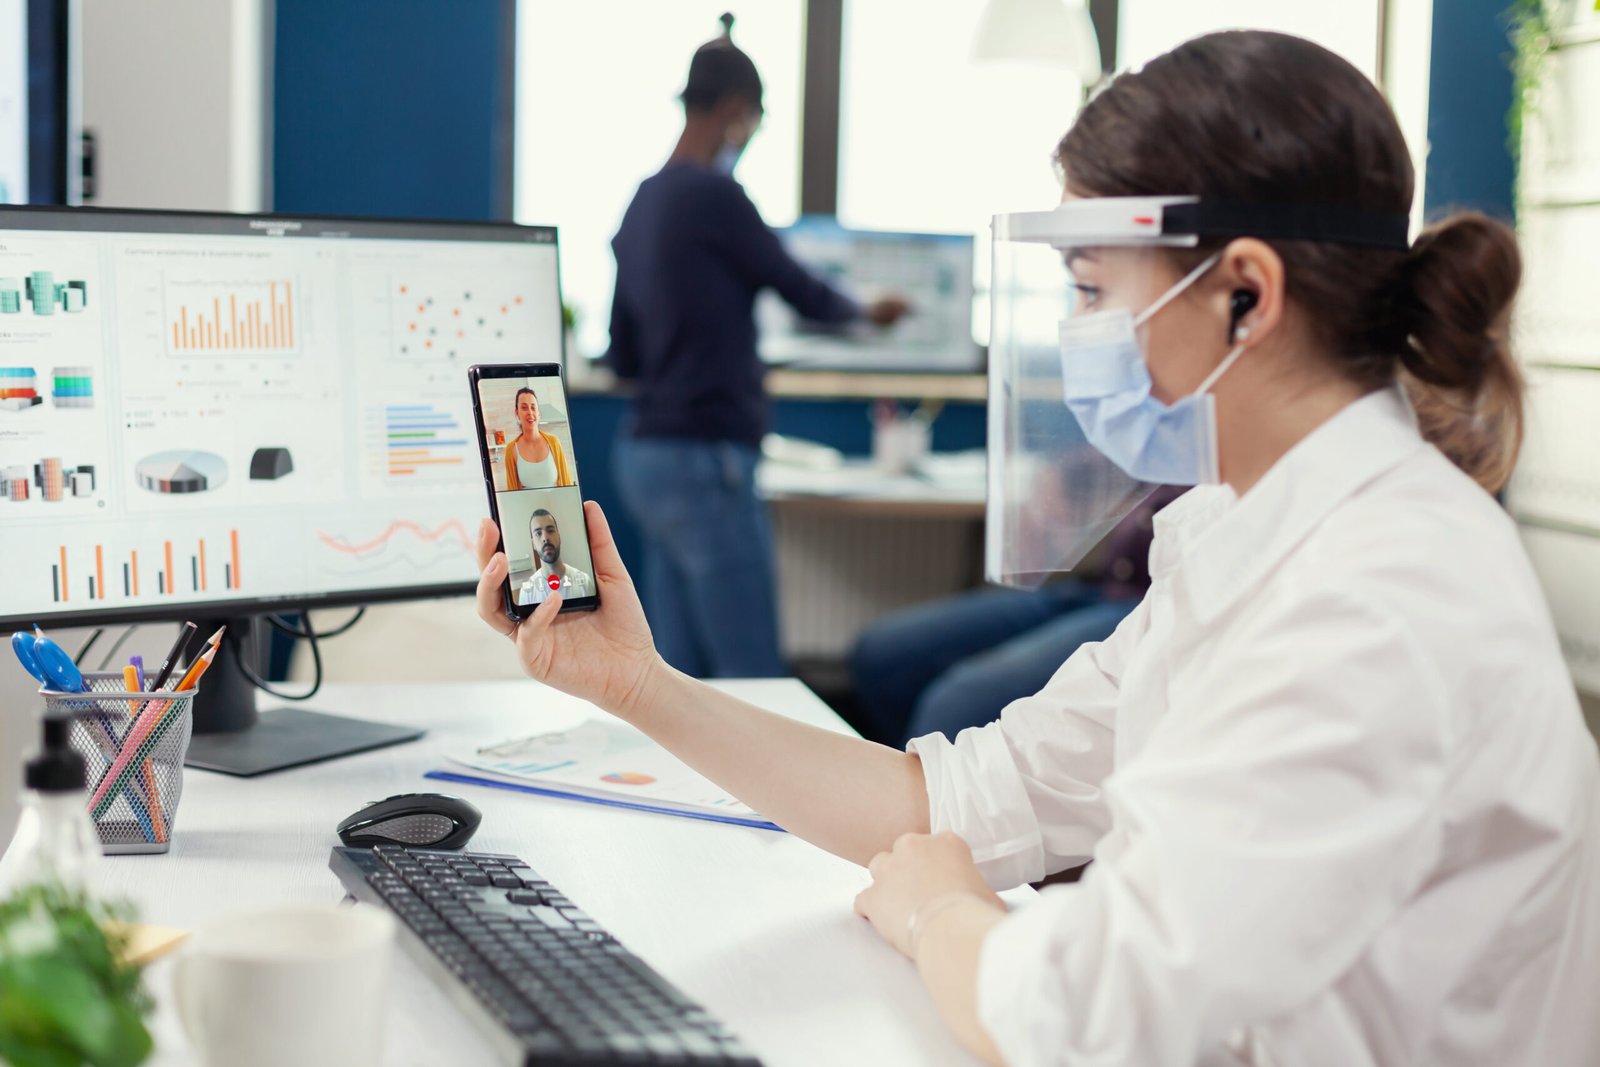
point(859, 488)
point(756, 925)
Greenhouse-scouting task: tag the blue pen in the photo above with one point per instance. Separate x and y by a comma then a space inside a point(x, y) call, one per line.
point(137, 663)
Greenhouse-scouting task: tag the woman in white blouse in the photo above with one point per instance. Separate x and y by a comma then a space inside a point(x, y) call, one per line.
point(1339, 799)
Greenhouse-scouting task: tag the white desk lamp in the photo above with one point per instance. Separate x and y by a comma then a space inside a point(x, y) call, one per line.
point(1055, 33)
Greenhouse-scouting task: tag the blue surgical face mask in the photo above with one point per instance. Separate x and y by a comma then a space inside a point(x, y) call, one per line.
point(1106, 383)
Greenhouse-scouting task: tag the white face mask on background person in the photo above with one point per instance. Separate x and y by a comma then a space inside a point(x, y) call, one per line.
point(727, 158)
point(738, 139)
point(1107, 387)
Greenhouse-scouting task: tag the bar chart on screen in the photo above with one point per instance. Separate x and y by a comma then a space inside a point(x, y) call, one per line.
point(157, 568)
point(232, 318)
point(419, 443)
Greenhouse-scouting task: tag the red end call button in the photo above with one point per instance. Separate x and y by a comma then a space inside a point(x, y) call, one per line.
point(554, 582)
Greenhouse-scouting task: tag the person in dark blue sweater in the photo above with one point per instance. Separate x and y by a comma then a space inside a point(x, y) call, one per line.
point(692, 254)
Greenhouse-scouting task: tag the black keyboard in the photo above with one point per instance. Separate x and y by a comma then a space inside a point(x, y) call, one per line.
point(544, 981)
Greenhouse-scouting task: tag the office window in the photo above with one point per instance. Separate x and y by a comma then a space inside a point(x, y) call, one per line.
point(597, 112)
point(1146, 28)
point(1149, 27)
point(1410, 59)
point(931, 140)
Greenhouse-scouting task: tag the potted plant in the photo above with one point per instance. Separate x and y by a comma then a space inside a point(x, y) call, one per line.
point(68, 995)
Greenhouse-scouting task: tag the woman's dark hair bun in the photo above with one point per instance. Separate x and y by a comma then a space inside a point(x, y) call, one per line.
point(1449, 316)
point(1450, 302)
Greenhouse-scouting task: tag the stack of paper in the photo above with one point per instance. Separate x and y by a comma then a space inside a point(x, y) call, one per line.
point(606, 762)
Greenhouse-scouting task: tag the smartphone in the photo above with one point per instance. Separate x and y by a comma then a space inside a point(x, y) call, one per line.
point(531, 474)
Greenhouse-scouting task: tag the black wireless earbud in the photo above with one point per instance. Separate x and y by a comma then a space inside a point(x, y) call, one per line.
point(1240, 306)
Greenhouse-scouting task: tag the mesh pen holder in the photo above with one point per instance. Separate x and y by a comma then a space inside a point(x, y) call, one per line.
point(133, 746)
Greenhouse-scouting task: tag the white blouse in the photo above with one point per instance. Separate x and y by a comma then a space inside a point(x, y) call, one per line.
point(540, 475)
point(1342, 804)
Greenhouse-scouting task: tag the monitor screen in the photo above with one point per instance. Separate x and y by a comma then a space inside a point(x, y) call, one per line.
point(932, 272)
point(37, 92)
point(218, 414)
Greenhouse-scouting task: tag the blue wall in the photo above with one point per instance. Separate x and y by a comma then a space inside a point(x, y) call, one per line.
point(1469, 95)
point(393, 107)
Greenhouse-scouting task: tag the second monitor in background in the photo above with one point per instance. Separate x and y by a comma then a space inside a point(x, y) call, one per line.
point(932, 272)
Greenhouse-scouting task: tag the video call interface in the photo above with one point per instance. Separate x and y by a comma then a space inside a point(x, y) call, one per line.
point(529, 443)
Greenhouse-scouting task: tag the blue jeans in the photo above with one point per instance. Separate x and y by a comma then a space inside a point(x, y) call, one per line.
point(708, 586)
point(954, 663)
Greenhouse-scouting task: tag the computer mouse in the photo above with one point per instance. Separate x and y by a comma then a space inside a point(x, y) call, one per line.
point(421, 820)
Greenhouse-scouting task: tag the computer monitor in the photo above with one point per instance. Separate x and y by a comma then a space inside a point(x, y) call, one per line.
point(208, 416)
point(39, 102)
point(931, 271)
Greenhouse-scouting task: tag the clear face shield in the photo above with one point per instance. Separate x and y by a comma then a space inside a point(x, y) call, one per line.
point(1071, 287)
point(1077, 436)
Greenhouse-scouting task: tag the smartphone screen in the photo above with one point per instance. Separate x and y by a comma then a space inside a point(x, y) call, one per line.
point(531, 473)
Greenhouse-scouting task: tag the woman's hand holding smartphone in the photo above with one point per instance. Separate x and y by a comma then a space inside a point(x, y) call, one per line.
point(606, 657)
point(546, 552)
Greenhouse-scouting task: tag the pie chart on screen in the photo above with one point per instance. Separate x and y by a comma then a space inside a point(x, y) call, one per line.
point(181, 471)
point(626, 778)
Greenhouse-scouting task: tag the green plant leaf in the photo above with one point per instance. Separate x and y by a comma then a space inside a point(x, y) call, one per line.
point(18, 1055)
point(1531, 34)
point(66, 996)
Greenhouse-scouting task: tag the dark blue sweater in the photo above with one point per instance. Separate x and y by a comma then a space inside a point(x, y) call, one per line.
point(692, 253)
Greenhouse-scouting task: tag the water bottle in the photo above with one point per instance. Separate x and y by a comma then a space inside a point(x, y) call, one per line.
point(55, 842)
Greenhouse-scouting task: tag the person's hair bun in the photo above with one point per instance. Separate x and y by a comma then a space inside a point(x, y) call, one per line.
point(1449, 320)
point(1452, 298)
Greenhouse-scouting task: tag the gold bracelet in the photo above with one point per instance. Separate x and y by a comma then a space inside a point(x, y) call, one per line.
point(917, 925)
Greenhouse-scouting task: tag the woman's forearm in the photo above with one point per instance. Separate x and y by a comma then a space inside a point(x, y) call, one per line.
point(947, 954)
point(849, 796)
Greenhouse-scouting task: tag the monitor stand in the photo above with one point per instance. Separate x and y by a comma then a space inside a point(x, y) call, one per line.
point(230, 736)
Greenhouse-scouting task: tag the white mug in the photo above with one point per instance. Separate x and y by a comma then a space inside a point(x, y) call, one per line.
point(302, 985)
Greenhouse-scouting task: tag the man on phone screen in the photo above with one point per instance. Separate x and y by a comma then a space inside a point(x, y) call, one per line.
point(552, 575)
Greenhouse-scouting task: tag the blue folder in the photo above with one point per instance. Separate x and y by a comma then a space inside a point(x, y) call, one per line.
point(544, 791)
